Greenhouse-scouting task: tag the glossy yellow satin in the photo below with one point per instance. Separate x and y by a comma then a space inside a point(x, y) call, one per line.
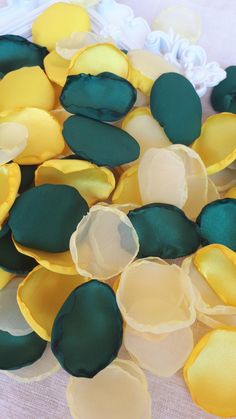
point(232, 192)
point(127, 190)
point(217, 143)
point(5, 277)
point(217, 264)
point(61, 263)
point(56, 68)
point(26, 87)
point(45, 139)
point(59, 21)
point(97, 58)
point(10, 178)
point(210, 372)
point(93, 183)
point(41, 295)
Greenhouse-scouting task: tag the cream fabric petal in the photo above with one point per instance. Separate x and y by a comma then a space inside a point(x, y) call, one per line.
point(212, 194)
point(145, 129)
point(13, 140)
point(104, 243)
point(114, 393)
point(162, 355)
point(182, 20)
point(156, 298)
point(43, 368)
point(224, 180)
point(68, 47)
point(142, 99)
point(11, 319)
point(196, 177)
point(162, 177)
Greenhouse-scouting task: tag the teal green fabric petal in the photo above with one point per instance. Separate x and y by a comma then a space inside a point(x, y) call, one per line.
point(106, 97)
point(217, 223)
point(27, 177)
point(10, 259)
point(164, 231)
point(99, 143)
point(19, 351)
point(177, 107)
point(45, 217)
point(87, 332)
point(17, 52)
point(223, 97)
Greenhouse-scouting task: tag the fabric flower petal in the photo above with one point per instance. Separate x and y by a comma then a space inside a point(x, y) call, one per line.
point(231, 193)
point(210, 373)
point(59, 21)
point(92, 182)
point(224, 179)
point(162, 355)
point(104, 243)
point(127, 189)
point(11, 319)
point(26, 87)
point(156, 298)
point(119, 383)
point(13, 140)
point(43, 288)
point(217, 142)
point(45, 138)
point(43, 368)
point(9, 184)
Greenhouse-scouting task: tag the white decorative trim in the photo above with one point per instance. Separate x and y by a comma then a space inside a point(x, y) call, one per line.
point(112, 19)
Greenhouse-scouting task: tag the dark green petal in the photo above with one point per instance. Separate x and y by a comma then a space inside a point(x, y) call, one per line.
point(11, 260)
point(45, 217)
point(105, 97)
point(177, 107)
point(217, 223)
point(27, 177)
point(19, 351)
point(87, 332)
point(99, 143)
point(17, 52)
point(164, 231)
point(223, 97)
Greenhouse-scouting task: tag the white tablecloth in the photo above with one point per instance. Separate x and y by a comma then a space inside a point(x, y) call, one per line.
point(171, 400)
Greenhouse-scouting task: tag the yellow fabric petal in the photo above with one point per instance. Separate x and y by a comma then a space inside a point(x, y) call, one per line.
point(145, 129)
point(41, 295)
point(118, 391)
point(95, 59)
point(13, 140)
point(5, 277)
point(217, 264)
point(43, 368)
point(10, 178)
point(146, 67)
point(56, 68)
point(61, 115)
point(196, 177)
point(182, 20)
point(155, 298)
point(162, 177)
point(61, 263)
point(224, 179)
point(59, 21)
point(210, 373)
point(162, 355)
point(45, 137)
point(104, 243)
point(211, 310)
point(127, 189)
point(217, 143)
point(26, 87)
point(94, 183)
point(231, 193)
point(11, 319)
